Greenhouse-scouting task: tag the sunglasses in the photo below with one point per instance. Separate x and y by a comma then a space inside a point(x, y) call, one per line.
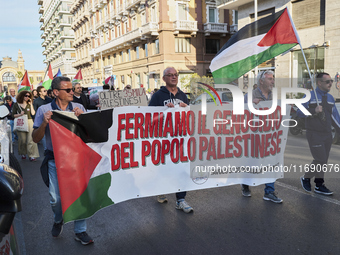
point(67, 90)
point(27, 95)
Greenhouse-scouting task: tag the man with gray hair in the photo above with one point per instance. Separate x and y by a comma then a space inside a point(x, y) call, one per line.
point(263, 92)
point(170, 95)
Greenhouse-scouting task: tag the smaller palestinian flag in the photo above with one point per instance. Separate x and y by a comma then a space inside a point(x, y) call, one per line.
point(25, 83)
point(48, 78)
point(78, 77)
point(58, 74)
point(110, 81)
point(254, 44)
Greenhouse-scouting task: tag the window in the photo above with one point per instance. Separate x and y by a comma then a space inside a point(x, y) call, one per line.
point(182, 11)
point(315, 59)
point(115, 58)
point(122, 57)
point(129, 54)
point(182, 45)
point(146, 49)
point(8, 77)
point(137, 52)
point(73, 55)
point(153, 14)
point(212, 46)
point(143, 18)
point(134, 23)
point(212, 15)
point(308, 14)
point(156, 46)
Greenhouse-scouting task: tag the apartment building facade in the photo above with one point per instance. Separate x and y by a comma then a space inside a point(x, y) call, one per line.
point(318, 25)
point(58, 36)
point(135, 40)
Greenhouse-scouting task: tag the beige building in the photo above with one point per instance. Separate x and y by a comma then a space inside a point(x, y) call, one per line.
point(318, 25)
point(57, 35)
point(11, 72)
point(135, 40)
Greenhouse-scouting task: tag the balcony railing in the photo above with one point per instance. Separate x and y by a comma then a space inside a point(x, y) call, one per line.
point(215, 28)
point(150, 28)
point(186, 26)
point(130, 37)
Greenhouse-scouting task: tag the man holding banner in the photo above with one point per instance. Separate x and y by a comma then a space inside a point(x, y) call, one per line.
point(62, 89)
point(170, 95)
point(263, 92)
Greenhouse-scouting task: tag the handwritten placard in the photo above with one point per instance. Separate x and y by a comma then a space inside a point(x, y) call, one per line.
point(118, 98)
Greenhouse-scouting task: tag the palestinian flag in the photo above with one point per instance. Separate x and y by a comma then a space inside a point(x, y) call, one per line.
point(48, 78)
point(78, 77)
point(25, 83)
point(82, 190)
point(254, 44)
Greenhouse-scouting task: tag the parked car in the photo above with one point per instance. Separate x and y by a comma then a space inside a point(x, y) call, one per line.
point(226, 97)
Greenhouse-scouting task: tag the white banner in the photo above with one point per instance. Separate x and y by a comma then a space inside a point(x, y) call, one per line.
point(161, 150)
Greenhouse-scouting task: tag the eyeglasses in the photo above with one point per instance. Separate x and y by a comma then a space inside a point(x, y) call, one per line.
point(27, 95)
point(328, 81)
point(67, 90)
point(172, 75)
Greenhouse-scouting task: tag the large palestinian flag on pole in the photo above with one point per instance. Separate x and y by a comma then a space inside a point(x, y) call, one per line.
point(254, 44)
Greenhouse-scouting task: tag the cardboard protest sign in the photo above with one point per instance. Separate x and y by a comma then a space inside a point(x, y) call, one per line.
point(118, 98)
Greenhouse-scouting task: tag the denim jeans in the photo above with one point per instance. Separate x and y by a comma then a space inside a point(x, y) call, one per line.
point(14, 135)
point(79, 225)
point(269, 188)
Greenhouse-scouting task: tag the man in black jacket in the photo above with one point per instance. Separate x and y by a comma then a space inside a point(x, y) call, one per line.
point(79, 97)
point(170, 95)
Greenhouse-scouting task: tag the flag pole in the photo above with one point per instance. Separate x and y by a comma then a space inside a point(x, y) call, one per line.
point(310, 75)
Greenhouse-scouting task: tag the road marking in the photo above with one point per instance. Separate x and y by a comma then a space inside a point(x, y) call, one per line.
point(328, 199)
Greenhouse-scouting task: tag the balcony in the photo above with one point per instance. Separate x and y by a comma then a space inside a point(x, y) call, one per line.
point(133, 3)
point(40, 2)
point(185, 26)
point(41, 10)
point(231, 4)
point(221, 28)
point(41, 18)
point(63, 11)
point(120, 42)
point(150, 28)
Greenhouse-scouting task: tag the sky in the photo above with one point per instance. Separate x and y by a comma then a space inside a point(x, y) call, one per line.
point(20, 29)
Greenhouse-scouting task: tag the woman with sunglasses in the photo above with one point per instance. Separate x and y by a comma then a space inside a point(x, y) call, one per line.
point(25, 142)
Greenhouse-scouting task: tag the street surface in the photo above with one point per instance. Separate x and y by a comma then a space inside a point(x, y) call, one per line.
point(224, 222)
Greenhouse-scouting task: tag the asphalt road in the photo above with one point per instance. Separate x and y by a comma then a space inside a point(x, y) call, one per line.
point(224, 222)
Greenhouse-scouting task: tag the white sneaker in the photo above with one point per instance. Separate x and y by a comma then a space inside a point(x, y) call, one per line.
point(183, 205)
point(162, 199)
